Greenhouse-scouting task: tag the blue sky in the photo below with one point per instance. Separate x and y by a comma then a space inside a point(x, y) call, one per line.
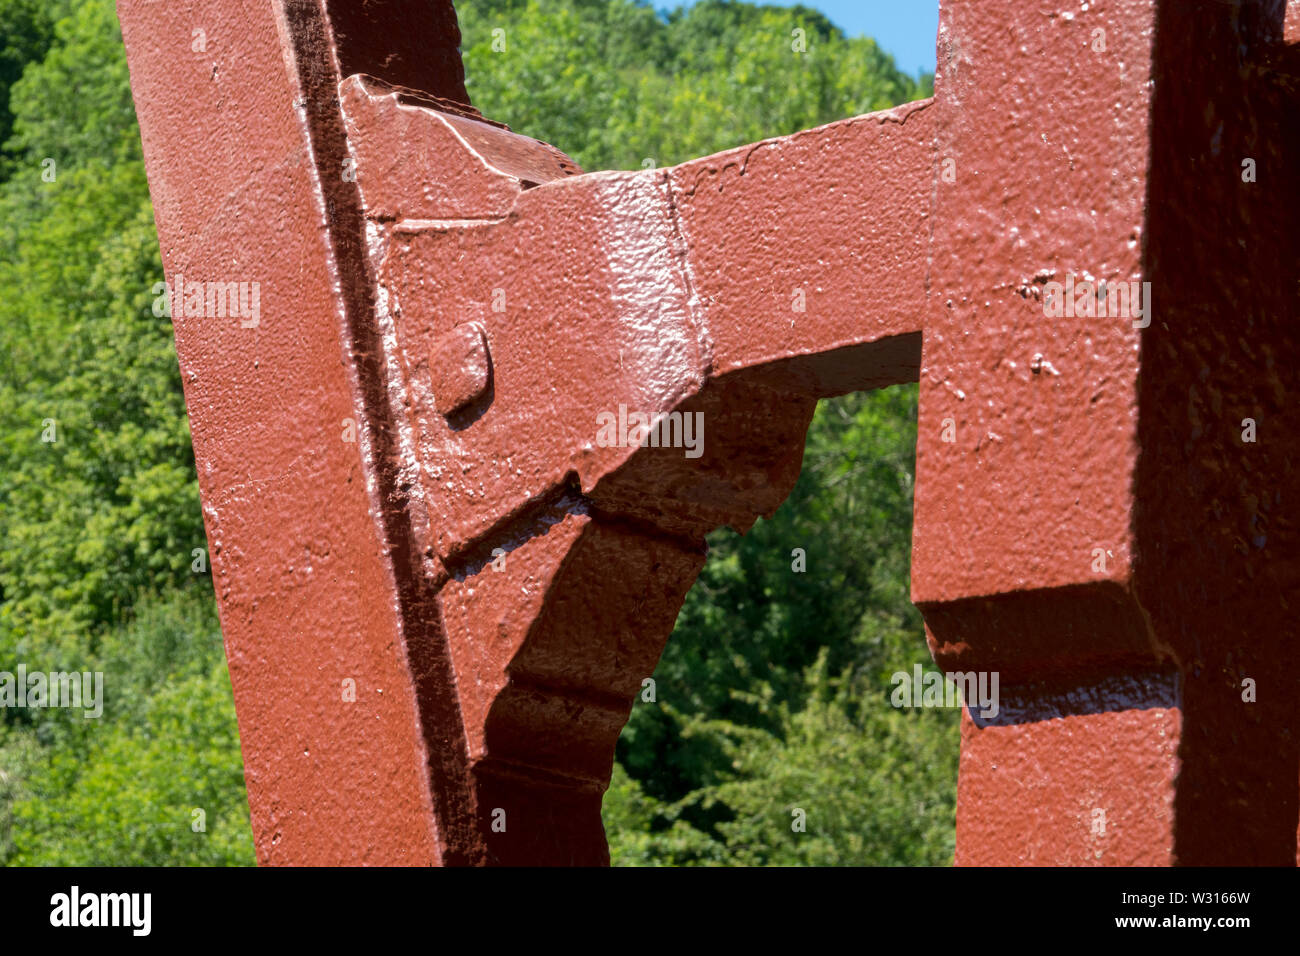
point(905, 28)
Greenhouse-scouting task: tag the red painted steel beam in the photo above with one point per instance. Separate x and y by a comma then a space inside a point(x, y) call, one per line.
point(1090, 521)
point(541, 299)
point(470, 307)
point(486, 692)
point(347, 757)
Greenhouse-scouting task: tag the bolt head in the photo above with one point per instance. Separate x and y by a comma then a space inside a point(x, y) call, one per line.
point(460, 367)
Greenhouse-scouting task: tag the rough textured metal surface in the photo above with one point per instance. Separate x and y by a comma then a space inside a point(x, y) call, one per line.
point(1087, 510)
point(302, 563)
point(1084, 776)
point(462, 366)
point(469, 168)
point(405, 486)
point(597, 293)
point(1217, 567)
point(611, 291)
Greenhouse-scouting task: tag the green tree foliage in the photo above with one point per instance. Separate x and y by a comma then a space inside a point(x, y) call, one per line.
point(110, 505)
point(126, 793)
point(615, 86)
point(26, 29)
point(108, 509)
point(773, 692)
point(772, 696)
point(842, 779)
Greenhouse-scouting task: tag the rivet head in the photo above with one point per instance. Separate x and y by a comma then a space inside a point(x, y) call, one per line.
point(460, 368)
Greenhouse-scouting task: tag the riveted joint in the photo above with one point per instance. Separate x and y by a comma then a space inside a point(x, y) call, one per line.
point(461, 368)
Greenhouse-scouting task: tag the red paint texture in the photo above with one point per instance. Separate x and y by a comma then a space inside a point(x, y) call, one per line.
point(497, 577)
point(1080, 434)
